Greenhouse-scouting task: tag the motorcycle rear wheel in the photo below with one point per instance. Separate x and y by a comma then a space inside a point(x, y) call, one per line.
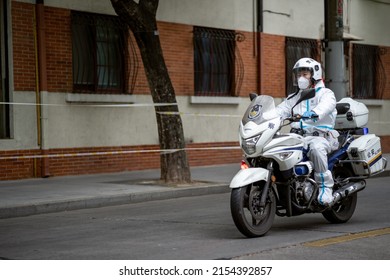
point(341, 212)
point(246, 214)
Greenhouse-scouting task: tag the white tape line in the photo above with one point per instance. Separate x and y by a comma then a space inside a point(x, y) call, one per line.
point(126, 106)
point(166, 151)
point(92, 105)
point(199, 114)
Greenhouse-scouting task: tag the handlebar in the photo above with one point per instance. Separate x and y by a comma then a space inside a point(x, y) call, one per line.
point(298, 117)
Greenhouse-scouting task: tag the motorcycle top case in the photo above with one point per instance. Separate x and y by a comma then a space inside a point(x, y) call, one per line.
point(366, 148)
point(353, 115)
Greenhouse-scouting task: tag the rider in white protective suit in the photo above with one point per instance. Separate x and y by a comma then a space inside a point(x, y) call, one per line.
point(318, 133)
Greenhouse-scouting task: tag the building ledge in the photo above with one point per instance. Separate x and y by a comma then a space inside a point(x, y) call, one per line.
point(371, 102)
point(215, 100)
point(99, 98)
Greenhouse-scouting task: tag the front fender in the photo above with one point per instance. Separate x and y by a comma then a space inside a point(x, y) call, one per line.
point(248, 176)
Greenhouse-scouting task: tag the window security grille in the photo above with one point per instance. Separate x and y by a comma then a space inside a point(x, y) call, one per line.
point(297, 48)
point(369, 78)
point(104, 59)
point(217, 62)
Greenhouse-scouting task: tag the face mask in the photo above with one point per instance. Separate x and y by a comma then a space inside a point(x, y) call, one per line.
point(303, 83)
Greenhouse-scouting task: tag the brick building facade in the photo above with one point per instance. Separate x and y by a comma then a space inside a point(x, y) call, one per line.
point(264, 71)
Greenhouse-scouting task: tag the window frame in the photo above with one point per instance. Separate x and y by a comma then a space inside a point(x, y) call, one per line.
point(111, 47)
point(214, 62)
point(368, 73)
point(295, 49)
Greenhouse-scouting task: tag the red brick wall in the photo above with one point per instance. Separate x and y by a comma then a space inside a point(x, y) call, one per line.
point(19, 167)
point(178, 55)
point(177, 44)
point(179, 60)
point(23, 46)
point(58, 50)
point(385, 143)
point(176, 41)
point(107, 159)
point(72, 162)
point(385, 57)
point(274, 65)
point(250, 58)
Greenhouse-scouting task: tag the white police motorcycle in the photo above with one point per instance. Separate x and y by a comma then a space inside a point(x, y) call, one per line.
point(276, 176)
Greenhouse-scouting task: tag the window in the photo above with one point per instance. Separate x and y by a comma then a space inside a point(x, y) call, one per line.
point(297, 48)
point(4, 82)
point(368, 72)
point(99, 53)
point(217, 64)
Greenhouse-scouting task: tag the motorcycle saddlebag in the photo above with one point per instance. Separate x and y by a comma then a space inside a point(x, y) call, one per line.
point(365, 154)
point(350, 114)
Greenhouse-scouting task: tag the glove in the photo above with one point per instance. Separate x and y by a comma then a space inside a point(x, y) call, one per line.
point(310, 115)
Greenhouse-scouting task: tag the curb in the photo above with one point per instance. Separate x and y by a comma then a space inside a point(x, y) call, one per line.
point(119, 199)
point(113, 200)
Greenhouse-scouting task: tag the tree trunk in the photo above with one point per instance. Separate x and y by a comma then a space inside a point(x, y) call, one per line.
point(141, 18)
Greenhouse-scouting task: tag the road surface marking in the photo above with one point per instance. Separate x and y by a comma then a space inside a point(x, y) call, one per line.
point(348, 237)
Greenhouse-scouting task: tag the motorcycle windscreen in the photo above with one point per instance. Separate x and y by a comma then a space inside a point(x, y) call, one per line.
point(261, 109)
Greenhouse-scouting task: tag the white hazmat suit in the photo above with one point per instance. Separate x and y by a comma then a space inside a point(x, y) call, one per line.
point(319, 134)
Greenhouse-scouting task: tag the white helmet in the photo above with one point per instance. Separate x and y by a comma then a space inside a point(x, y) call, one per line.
point(308, 64)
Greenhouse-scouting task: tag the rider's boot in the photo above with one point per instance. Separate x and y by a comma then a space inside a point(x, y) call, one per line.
point(325, 193)
point(325, 196)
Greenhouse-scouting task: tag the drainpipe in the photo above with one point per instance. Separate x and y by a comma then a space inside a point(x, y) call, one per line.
point(334, 48)
point(259, 44)
point(41, 84)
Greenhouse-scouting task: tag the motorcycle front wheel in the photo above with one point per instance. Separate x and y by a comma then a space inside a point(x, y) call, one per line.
point(250, 219)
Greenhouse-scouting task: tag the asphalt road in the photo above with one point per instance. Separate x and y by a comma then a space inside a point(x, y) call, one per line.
point(197, 228)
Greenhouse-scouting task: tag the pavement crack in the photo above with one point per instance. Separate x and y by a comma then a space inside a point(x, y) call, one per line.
point(264, 251)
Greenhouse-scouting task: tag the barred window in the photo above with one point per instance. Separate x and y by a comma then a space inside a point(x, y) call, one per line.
point(297, 48)
point(368, 74)
point(217, 64)
point(98, 53)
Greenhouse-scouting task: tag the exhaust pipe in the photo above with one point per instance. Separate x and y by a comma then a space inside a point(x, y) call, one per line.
point(348, 190)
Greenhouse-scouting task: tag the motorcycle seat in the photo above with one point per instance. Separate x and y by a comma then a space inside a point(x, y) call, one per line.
point(342, 108)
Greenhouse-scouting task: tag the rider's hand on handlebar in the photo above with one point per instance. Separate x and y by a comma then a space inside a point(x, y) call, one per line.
point(311, 115)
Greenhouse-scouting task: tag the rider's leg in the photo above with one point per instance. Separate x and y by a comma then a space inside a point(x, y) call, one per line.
point(318, 154)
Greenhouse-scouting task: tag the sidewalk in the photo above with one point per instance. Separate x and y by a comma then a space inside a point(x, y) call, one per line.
point(55, 194)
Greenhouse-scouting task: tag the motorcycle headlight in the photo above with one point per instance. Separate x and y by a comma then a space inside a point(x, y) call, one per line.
point(285, 155)
point(249, 145)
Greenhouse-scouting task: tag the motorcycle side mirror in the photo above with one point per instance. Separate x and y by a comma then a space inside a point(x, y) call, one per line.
point(252, 95)
point(305, 95)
